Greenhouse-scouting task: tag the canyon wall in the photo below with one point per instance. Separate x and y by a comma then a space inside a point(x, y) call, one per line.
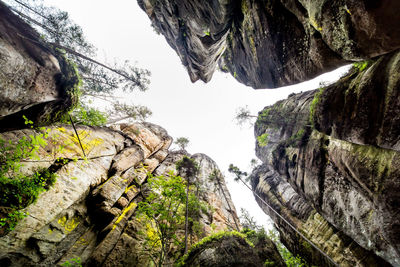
point(268, 44)
point(331, 165)
point(89, 212)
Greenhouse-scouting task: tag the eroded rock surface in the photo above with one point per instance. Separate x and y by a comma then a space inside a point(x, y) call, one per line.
point(274, 43)
point(233, 250)
point(35, 80)
point(331, 166)
point(89, 212)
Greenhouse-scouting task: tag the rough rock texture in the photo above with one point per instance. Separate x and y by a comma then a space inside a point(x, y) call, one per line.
point(274, 43)
point(234, 251)
point(89, 212)
point(331, 166)
point(211, 189)
point(34, 80)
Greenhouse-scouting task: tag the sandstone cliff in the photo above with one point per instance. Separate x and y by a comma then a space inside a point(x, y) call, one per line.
point(89, 212)
point(331, 166)
point(274, 43)
point(234, 249)
point(35, 80)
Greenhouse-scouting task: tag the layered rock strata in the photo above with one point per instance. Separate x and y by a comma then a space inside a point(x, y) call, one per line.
point(234, 250)
point(331, 166)
point(89, 213)
point(274, 43)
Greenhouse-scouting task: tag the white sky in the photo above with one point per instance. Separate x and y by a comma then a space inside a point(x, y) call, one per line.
point(202, 112)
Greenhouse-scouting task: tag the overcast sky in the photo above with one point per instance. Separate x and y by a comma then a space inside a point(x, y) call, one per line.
point(201, 112)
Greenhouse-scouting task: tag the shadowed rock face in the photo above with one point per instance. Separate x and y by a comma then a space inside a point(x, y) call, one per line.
point(89, 212)
point(34, 80)
point(274, 43)
point(234, 251)
point(331, 165)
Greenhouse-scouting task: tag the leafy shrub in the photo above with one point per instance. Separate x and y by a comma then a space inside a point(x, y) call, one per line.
point(263, 139)
point(18, 190)
point(74, 262)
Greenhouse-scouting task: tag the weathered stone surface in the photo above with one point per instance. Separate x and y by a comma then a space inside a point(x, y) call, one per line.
point(274, 43)
point(234, 251)
point(337, 165)
point(211, 189)
point(363, 108)
point(89, 212)
point(35, 80)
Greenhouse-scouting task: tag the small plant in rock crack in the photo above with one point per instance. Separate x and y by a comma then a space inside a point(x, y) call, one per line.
point(17, 189)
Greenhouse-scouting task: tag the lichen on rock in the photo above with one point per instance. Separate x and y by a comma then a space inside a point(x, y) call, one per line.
point(332, 160)
point(268, 44)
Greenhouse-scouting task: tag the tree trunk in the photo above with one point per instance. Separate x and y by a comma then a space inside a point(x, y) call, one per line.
point(186, 216)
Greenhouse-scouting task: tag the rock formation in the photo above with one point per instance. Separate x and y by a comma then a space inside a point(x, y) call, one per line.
point(35, 80)
point(274, 43)
point(89, 212)
point(234, 250)
point(331, 166)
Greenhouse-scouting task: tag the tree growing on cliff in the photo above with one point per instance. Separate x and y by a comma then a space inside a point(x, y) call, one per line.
point(161, 213)
point(244, 116)
point(188, 168)
point(99, 80)
point(182, 142)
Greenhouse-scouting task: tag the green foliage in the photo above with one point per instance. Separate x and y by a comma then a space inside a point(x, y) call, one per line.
point(269, 263)
point(18, 190)
point(297, 138)
point(287, 256)
point(263, 139)
point(182, 142)
point(263, 116)
point(210, 239)
point(187, 167)
point(12, 218)
point(247, 221)
point(314, 103)
point(162, 212)
point(74, 262)
point(362, 65)
point(257, 234)
point(239, 175)
point(86, 115)
point(196, 208)
point(98, 80)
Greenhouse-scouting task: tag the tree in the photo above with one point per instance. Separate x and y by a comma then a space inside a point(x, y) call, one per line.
point(161, 212)
point(239, 175)
point(248, 221)
point(258, 231)
point(188, 168)
point(182, 142)
point(254, 163)
point(99, 80)
point(244, 116)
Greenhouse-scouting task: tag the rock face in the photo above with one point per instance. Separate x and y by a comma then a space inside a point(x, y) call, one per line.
point(233, 250)
point(89, 212)
point(35, 80)
point(274, 43)
point(331, 166)
point(211, 189)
